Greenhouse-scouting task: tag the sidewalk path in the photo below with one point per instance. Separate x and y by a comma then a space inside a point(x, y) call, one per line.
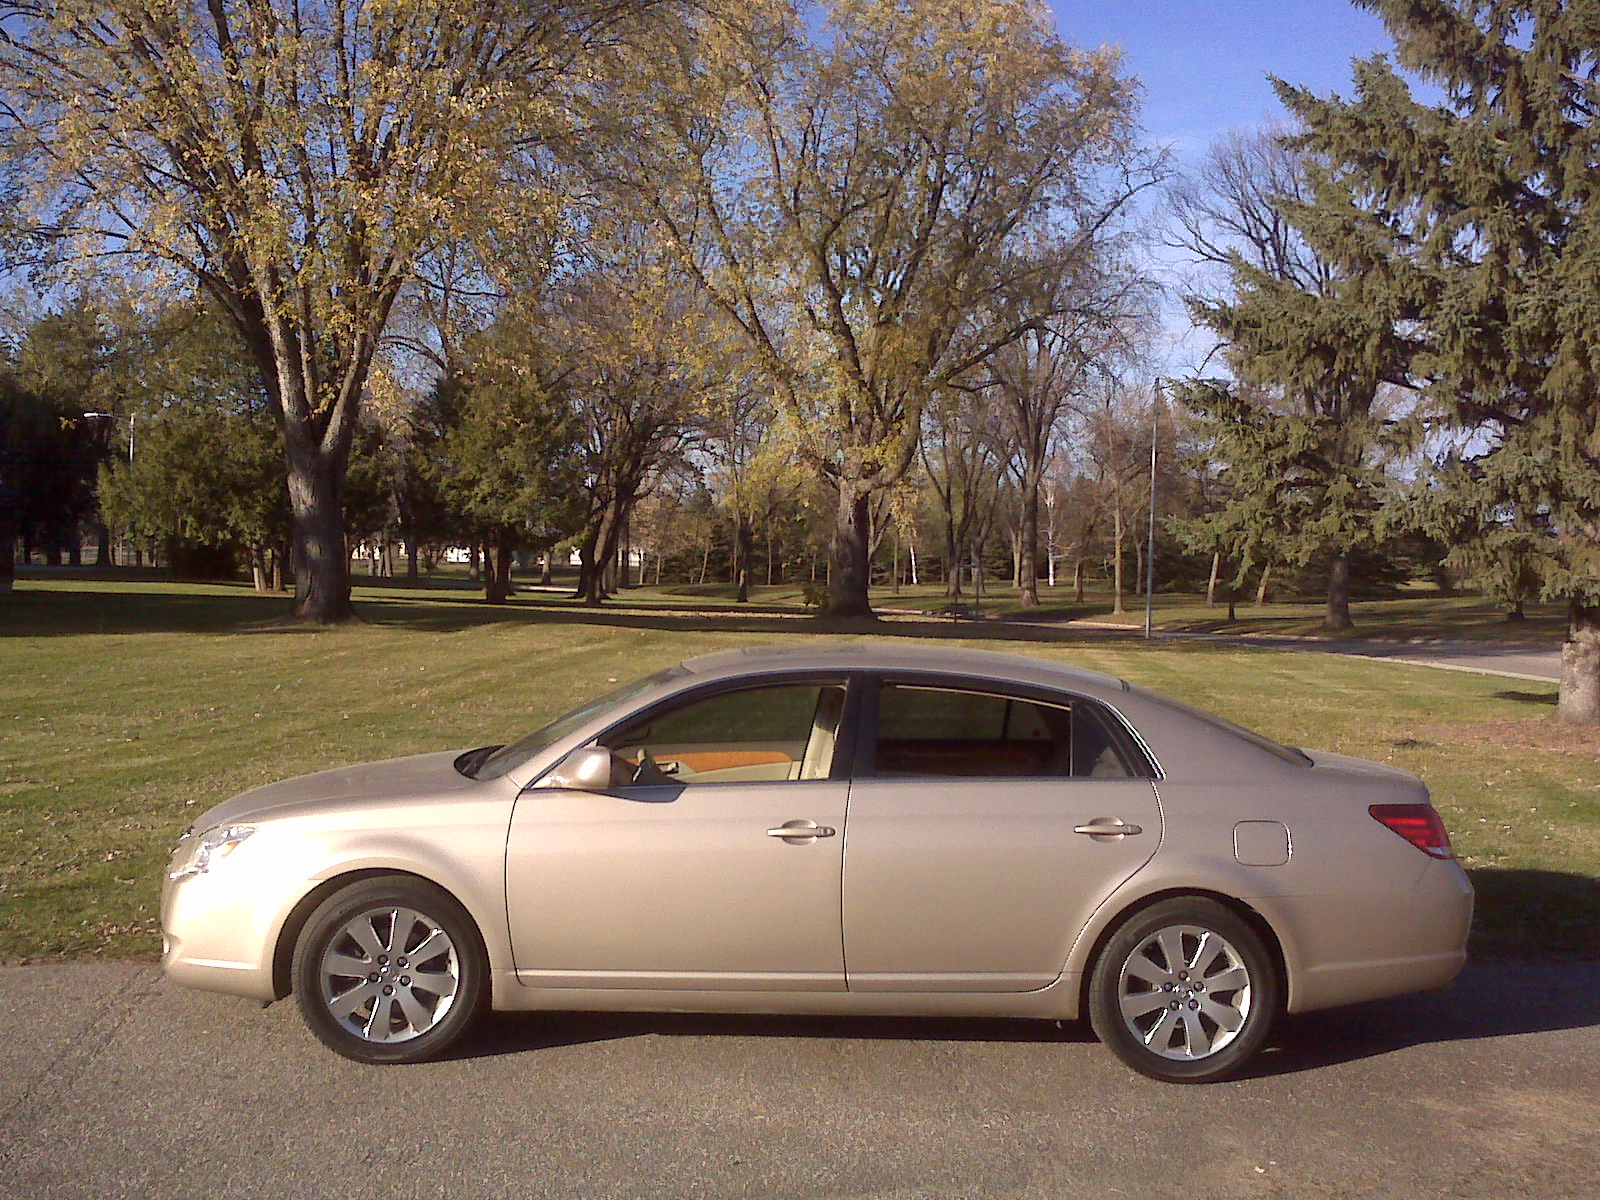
point(1534, 663)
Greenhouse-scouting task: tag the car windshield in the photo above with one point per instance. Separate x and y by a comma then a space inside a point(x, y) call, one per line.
point(512, 756)
point(1289, 754)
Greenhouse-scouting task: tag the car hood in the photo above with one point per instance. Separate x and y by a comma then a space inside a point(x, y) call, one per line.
point(392, 779)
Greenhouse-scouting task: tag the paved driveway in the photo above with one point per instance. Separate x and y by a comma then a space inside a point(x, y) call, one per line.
point(1530, 662)
point(116, 1084)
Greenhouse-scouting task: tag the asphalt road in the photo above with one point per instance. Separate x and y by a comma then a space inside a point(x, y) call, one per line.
point(1530, 662)
point(116, 1084)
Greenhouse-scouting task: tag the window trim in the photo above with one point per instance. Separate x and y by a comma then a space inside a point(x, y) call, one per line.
point(1127, 740)
point(845, 742)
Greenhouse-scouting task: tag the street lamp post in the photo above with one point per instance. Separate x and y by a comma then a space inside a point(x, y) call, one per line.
point(132, 418)
point(1150, 549)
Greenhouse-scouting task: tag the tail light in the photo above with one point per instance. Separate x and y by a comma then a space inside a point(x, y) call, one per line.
point(1419, 824)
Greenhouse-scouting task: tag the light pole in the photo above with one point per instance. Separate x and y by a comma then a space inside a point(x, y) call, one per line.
point(1150, 550)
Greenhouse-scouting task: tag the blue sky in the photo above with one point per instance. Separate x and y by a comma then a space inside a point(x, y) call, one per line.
point(1204, 68)
point(1204, 65)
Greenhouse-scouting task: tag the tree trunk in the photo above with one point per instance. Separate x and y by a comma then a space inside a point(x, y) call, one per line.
point(1211, 584)
point(1338, 617)
point(744, 543)
point(1116, 566)
point(848, 578)
point(277, 570)
point(497, 571)
point(1077, 580)
point(258, 568)
point(322, 559)
point(1579, 698)
point(102, 545)
point(411, 559)
point(547, 568)
point(601, 552)
point(952, 553)
point(1266, 578)
point(8, 548)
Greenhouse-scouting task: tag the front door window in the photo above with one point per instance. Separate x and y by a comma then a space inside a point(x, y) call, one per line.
point(753, 735)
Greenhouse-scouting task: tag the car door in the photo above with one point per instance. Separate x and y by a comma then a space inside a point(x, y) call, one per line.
point(972, 861)
point(712, 863)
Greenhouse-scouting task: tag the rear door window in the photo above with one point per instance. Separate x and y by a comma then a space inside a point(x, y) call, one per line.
point(936, 730)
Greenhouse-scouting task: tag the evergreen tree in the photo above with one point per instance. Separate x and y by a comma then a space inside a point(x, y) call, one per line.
point(507, 461)
point(1476, 222)
point(1312, 341)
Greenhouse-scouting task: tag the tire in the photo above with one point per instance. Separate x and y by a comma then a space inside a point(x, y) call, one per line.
point(1184, 991)
point(363, 990)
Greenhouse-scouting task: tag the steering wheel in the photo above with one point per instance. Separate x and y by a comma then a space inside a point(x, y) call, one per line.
point(649, 773)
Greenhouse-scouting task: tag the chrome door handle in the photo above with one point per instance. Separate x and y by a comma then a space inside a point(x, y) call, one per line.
point(1108, 827)
point(795, 832)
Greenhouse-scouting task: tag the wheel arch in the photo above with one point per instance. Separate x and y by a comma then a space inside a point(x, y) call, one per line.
point(1250, 916)
point(295, 922)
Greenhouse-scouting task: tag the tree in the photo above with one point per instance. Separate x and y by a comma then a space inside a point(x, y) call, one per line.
point(295, 160)
point(1098, 300)
point(1479, 213)
point(753, 459)
point(62, 384)
point(964, 455)
point(1500, 546)
point(507, 460)
point(631, 332)
point(202, 477)
point(848, 184)
point(1313, 340)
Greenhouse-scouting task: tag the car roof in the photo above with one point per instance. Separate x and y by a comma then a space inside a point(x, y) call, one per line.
point(884, 655)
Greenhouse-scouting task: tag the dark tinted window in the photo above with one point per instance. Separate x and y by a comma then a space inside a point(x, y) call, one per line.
point(931, 730)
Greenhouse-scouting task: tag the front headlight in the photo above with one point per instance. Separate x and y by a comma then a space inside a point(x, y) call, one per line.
point(197, 855)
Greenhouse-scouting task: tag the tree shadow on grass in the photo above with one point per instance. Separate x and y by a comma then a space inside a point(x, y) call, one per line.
point(1549, 698)
point(46, 612)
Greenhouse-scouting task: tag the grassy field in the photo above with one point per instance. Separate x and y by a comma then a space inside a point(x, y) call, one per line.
point(1423, 615)
point(126, 708)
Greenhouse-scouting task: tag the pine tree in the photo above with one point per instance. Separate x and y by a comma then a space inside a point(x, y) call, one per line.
point(1478, 218)
point(1312, 339)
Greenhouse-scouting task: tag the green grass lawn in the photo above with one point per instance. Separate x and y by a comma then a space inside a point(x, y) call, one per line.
point(1420, 615)
point(126, 708)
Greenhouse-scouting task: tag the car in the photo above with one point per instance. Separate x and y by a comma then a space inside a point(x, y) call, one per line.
point(857, 828)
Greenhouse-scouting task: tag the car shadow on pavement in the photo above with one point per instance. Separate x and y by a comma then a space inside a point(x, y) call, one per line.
point(1488, 1000)
point(1496, 999)
point(514, 1033)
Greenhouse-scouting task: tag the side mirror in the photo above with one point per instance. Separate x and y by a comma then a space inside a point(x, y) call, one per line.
point(587, 769)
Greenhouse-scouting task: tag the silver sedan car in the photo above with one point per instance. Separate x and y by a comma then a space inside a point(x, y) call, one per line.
point(854, 829)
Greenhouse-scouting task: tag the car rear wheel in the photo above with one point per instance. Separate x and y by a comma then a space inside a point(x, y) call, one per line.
point(389, 970)
point(1185, 991)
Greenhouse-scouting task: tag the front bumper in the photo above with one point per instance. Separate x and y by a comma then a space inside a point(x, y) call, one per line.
point(219, 931)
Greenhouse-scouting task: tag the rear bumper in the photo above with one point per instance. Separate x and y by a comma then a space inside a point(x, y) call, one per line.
point(1345, 949)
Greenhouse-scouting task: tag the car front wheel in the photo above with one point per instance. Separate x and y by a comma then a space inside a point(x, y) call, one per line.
point(1185, 991)
point(389, 970)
